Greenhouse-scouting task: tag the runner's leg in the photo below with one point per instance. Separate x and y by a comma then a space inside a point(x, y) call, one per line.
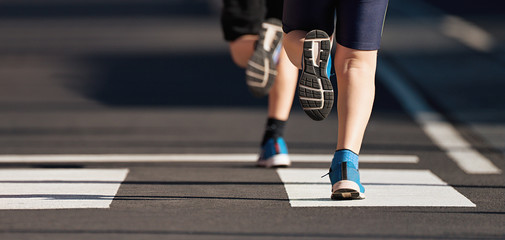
point(355, 71)
point(242, 49)
point(283, 90)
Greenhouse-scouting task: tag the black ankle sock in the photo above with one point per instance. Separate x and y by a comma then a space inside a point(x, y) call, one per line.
point(274, 128)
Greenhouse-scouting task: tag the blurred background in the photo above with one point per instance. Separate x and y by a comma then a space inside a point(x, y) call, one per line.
point(134, 76)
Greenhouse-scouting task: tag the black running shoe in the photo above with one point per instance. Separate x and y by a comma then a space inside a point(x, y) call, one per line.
point(314, 88)
point(262, 66)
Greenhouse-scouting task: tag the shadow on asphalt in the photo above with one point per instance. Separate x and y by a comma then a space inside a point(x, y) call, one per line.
point(176, 79)
point(181, 79)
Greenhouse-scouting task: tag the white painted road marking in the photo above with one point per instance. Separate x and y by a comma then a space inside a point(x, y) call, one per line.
point(440, 131)
point(59, 188)
point(383, 188)
point(324, 158)
point(468, 33)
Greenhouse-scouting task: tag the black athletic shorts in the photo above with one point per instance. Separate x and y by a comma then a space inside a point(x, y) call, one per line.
point(359, 23)
point(241, 17)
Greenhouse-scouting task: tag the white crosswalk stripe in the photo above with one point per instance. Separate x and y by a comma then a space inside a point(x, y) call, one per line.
point(250, 157)
point(96, 188)
point(59, 188)
point(383, 188)
point(434, 124)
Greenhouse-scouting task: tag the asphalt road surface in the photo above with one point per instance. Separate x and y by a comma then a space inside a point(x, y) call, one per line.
point(128, 120)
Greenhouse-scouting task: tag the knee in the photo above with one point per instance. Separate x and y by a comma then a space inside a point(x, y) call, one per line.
point(353, 64)
point(356, 61)
point(293, 43)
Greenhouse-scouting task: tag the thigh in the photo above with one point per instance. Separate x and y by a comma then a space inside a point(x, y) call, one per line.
point(242, 17)
point(308, 15)
point(360, 23)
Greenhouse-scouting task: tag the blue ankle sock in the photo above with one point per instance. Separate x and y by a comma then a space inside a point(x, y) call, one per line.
point(344, 155)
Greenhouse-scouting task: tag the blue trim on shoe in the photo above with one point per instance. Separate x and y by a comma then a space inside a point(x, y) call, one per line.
point(274, 153)
point(344, 166)
point(315, 90)
point(277, 53)
point(328, 67)
point(273, 147)
point(261, 69)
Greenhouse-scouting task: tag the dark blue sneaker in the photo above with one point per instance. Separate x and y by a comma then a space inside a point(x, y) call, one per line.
point(344, 177)
point(274, 154)
point(314, 88)
point(262, 66)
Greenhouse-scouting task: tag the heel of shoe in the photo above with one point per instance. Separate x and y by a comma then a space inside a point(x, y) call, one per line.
point(278, 160)
point(346, 190)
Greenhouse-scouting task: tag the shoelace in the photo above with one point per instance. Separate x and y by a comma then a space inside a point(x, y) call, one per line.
point(326, 174)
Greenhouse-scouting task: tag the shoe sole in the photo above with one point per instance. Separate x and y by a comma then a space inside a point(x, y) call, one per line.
point(314, 88)
point(346, 190)
point(261, 69)
point(279, 160)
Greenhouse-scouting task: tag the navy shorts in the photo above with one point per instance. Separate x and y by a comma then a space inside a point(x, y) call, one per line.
point(241, 17)
point(358, 26)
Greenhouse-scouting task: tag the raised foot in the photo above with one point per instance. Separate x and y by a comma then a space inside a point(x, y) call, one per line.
point(314, 87)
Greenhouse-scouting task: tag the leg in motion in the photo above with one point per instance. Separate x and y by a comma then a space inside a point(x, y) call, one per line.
point(274, 151)
point(356, 90)
point(242, 49)
point(293, 43)
point(314, 88)
point(359, 31)
point(261, 69)
point(254, 30)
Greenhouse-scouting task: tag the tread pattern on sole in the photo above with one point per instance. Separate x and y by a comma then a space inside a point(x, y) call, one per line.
point(261, 69)
point(347, 194)
point(314, 88)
